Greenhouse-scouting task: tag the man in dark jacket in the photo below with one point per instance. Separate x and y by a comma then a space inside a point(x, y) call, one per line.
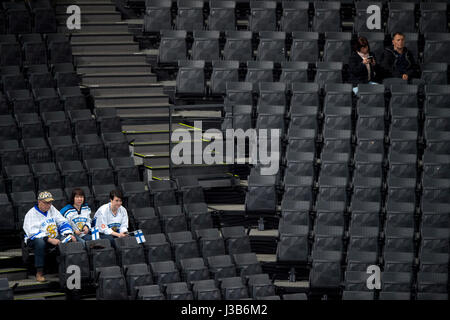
point(398, 62)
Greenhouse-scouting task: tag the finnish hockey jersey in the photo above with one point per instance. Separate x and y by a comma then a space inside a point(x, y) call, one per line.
point(106, 222)
point(77, 220)
point(38, 224)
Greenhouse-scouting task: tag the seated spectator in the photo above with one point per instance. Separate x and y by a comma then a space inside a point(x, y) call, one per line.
point(362, 64)
point(78, 213)
point(44, 228)
point(111, 219)
point(398, 62)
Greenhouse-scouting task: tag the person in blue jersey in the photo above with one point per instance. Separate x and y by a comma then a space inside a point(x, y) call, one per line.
point(44, 228)
point(111, 219)
point(78, 213)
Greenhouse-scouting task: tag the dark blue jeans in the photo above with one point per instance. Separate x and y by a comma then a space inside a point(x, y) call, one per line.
point(110, 238)
point(39, 247)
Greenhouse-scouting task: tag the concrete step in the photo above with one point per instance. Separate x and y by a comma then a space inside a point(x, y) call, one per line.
point(95, 26)
point(93, 16)
point(87, 7)
point(80, 38)
point(156, 160)
point(112, 57)
point(121, 78)
point(94, 47)
point(29, 284)
point(133, 102)
point(41, 296)
point(131, 67)
point(151, 147)
point(13, 274)
point(125, 91)
point(149, 133)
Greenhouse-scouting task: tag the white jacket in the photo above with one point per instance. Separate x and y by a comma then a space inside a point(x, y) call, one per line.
point(38, 224)
point(106, 222)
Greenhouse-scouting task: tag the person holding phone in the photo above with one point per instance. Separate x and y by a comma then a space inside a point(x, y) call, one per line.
point(362, 64)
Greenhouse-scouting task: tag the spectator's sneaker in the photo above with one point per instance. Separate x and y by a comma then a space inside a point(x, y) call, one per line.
point(40, 277)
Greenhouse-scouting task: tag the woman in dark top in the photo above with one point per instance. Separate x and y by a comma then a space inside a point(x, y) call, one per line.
point(362, 63)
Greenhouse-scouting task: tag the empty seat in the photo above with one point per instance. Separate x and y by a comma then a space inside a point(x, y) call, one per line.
point(294, 212)
point(101, 254)
point(4, 108)
point(183, 245)
point(221, 266)
point(206, 290)
point(432, 296)
point(356, 281)
point(108, 120)
point(22, 202)
point(435, 44)
point(326, 269)
point(433, 17)
point(6, 213)
point(190, 15)
point(305, 94)
point(262, 16)
point(326, 16)
point(222, 73)
point(305, 46)
point(261, 187)
point(11, 153)
point(198, 216)
point(164, 272)
point(47, 176)
point(295, 296)
point(47, 100)
point(328, 72)
point(232, 288)
point(294, 72)
point(125, 169)
point(146, 220)
point(116, 144)
point(19, 178)
point(295, 16)
point(37, 150)
point(361, 260)
point(337, 46)
point(34, 49)
point(135, 194)
point(236, 240)
point(221, 15)
point(56, 123)
point(210, 242)
point(111, 284)
point(19, 19)
point(238, 46)
point(44, 17)
point(99, 171)
point(8, 128)
point(21, 101)
point(162, 193)
point(72, 98)
point(259, 71)
point(206, 45)
point(129, 251)
point(82, 122)
point(358, 295)
point(399, 239)
point(73, 173)
point(41, 80)
point(157, 15)
point(172, 218)
point(271, 46)
point(137, 275)
point(156, 247)
point(398, 261)
point(429, 282)
point(149, 292)
point(178, 291)
point(90, 146)
point(434, 73)
point(293, 243)
point(193, 269)
point(63, 148)
point(238, 93)
point(172, 46)
point(190, 78)
point(59, 48)
point(246, 264)
point(396, 281)
point(401, 17)
point(260, 285)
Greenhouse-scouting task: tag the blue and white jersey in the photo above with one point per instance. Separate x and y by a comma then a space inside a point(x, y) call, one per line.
point(107, 222)
point(38, 224)
point(77, 220)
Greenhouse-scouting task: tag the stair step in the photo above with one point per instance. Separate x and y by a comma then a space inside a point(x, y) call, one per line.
point(13, 274)
point(123, 78)
point(86, 7)
point(105, 47)
point(110, 58)
point(24, 286)
point(156, 160)
point(95, 27)
point(136, 67)
point(97, 16)
point(85, 2)
point(134, 103)
point(41, 296)
point(126, 91)
point(81, 38)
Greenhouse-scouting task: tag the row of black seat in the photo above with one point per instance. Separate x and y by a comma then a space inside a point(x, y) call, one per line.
point(321, 16)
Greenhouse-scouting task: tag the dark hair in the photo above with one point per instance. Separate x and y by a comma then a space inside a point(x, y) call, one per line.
point(116, 193)
point(77, 192)
point(399, 34)
point(360, 42)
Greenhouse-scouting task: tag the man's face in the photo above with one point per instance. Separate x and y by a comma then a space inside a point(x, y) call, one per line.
point(44, 206)
point(116, 203)
point(398, 41)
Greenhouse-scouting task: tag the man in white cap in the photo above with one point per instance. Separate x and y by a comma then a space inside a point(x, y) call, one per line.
point(44, 227)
